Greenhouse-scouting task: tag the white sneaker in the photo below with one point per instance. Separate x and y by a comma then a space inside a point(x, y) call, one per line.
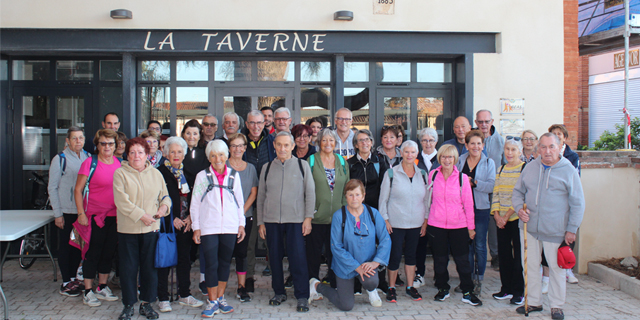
point(91, 300)
point(164, 306)
point(80, 274)
point(418, 281)
point(374, 298)
point(190, 301)
point(571, 278)
point(545, 287)
point(313, 293)
point(105, 294)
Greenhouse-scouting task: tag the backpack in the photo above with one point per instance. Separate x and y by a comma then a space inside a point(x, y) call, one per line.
point(521, 168)
point(228, 187)
point(312, 161)
point(344, 218)
point(94, 165)
point(390, 174)
point(269, 167)
point(63, 161)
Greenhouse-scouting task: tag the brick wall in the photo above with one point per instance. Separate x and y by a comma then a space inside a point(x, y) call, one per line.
point(571, 72)
point(583, 101)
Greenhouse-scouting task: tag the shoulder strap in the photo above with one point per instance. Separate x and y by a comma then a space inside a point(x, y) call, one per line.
point(522, 168)
point(390, 174)
point(376, 165)
point(433, 177)
point(266, 173)
point(373, 219)
point(301, 169)
point(501, 168)
point(424, 176)
point(92, 170)
point(210, 186)
point(344, 218)
point(312, 160)
point(344, 169)
point(63, 163)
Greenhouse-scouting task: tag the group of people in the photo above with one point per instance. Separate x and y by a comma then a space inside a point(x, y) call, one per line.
point(313, 194)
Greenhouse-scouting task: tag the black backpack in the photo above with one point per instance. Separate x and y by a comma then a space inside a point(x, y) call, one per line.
point(229, 186)
point(344, 218)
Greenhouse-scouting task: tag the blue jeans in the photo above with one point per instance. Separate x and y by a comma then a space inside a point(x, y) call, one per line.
point(478, 247)
point(290, 233)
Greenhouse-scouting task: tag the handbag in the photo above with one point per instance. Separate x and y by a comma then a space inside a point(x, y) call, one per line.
point(166, 247)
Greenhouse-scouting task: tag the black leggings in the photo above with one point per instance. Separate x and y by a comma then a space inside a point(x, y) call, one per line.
point(319, 237)
point(69, 257)
point(218, 251)
point(240, 251)
point(458, 241)
point(102, 247)
point(408, 237)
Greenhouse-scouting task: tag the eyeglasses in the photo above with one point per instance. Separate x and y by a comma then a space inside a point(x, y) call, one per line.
point(255, 123)
point(363, 231)
point(364, 140)
point(104, 144)
point(447, 157)
point(207, 124)
point(483, 122)
point(343, 119)
point(513, 138)
point(529, 139)
point(236, 146)
point(152, 141)
point(430, 141)
point(303, 136)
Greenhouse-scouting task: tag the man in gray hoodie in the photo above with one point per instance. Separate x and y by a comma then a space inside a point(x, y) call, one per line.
point(551, 188)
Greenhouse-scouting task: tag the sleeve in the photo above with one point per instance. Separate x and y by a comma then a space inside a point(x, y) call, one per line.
point(576, 203)
point(262, 195)
point(519, 191)
point(428, 194)
point(163, 197)
point(196, 194)
point(385, 192)
point(309, 192)
point(340, 254)
point(486, 182)
point(237, 191)
point(55, 175)
point(85, 167)
point(495, 202)
point(254, 177)
point(467, 202)
point(384, 241)
point(122, 200)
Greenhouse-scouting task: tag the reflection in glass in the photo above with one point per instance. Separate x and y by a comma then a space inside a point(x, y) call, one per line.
point(111, 70)
point(315, 71)
point(273, 102)
point(394, 72)
point(154, 71)
point(30, 70)
point(192, 103)
point(74, 70)
point(241, 106)
point(232, 71)
point(430, 113)
point(70, 113)
point(4, 69)
point(276, 71)
point(357, 100)
point(154, 105)
point(315, 103)
point(397, 110)
point(111, 101)
point(356, 71)
point(434, 72)
point(193, 71)
point(36, 148)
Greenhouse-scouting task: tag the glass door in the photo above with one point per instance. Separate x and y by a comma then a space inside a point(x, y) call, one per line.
point(243, 100)
point(42, 118)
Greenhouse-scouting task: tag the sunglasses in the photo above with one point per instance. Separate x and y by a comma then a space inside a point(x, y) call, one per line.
point(513, 138)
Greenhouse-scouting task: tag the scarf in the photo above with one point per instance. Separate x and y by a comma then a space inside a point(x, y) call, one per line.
point(179, 174)
point(155, 158)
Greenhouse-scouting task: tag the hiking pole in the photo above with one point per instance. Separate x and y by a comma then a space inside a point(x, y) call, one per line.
point(526, 302)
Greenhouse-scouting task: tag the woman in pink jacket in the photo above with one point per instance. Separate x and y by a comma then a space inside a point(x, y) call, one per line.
point(451, 224)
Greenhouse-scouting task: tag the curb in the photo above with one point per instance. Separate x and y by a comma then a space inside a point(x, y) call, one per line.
point(615, 279)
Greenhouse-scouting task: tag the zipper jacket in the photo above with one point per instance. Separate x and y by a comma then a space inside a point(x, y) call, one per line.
point(327, 201)
point(405, 203)
point(451, 208)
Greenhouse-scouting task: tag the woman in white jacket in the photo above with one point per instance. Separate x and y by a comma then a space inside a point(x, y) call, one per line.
point(218, 222)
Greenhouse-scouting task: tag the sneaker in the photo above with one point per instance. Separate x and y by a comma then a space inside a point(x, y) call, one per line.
point(545, 287)
point(357, 293)
point(374, 298)
point(288, 283)
point(571, 278)
point(79, 284)
point(520, 310)
point(391, 295)
point(303, 305)
point(190, 301)
point(249, 284)
point(502, 295)
point(147, 310)
point(211, 309)
point(80, 274)
point(313, 293)
point(457, 289)
point(127, 313)
point(413, 293)
point(105, 294)
point(399, 282)
point(223, 306)
point(442, 295)
point(266, 272)
point(517, 300)
point(164, 306)
point(242, 294)
point(418, 281)
point(277, 299)
point(326, 281)
point(471, 299)
point(556, 313)
point(70, 290)
point(91, 300)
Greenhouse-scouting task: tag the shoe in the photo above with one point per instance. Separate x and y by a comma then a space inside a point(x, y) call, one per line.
point(127, 313)
point(164, 306)
point(249, 284)
point(313, 293)
point(413, 293)
point(418, 281)
point(266, 272)
point(147, 310)
point(477, 287)
point(91, 300)
point(302, 305)
point(211, 309)
point(374, 298)
point(79, 284)
point(399, 282)
point(242, 294)
point(288, 283)
point(520, 310)
point(571, 278)
point(223, 306)
point(545, 287)
point(357, 293)
point(190, 301)
point(517, 300)
point(203, 288)
point(495, 263)
point(277, 299)
point(391, 295)
point(457, 289)
point(105, 294)
point(80, 274)
point(326, 281)
point(70, 290)
point(442, 295)
point(471, 299)
point(556, 313)
point(502, 295)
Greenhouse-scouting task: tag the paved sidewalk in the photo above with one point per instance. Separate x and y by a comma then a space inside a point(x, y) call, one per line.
point(33, 295)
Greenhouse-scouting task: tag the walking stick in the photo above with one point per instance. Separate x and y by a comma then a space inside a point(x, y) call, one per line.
point(526, 302)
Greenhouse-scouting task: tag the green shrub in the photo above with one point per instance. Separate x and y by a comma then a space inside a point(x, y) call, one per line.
point(614, 141)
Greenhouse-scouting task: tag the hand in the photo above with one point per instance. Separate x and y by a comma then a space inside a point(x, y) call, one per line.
point(370, 266)
point(60, 222)
point(423, 229)
point(147, 219)
point(472, 234)
point(162, 211)
point(500, 222)
point(196, 236)
point(362, 272)
point(83, 220)
point(187, 223)
point(524, 215)
point(569, 237)
point(262, 231)
point(178, 223)
point(241, 234)
point(389, 228)
point(306, 226)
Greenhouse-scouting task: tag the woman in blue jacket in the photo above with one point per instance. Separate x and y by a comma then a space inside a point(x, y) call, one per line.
point(355, 255)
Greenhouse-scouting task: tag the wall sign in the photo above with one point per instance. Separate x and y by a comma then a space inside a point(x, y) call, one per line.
point(618, 59)
point(511, 106)
point(384, 6)
point(612, 3)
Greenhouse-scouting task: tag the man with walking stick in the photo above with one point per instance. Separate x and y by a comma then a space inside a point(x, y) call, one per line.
point(551, 188)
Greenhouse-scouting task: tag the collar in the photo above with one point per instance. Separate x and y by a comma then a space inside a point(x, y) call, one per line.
point(360, 158)
point(564, 146)
point(428, 157)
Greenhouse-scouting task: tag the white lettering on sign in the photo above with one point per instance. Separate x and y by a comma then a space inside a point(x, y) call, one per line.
point(277, 40)
point(634, 59)
point(208, 35)
point(170, 42)
point(317, 41)
point(243, 45)
point(259, 41)
point(146, 42)
point(226, 40)
point(384, 6)
point(296, 39)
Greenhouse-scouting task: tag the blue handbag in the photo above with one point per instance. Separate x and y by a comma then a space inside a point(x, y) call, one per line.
point(167, 247)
